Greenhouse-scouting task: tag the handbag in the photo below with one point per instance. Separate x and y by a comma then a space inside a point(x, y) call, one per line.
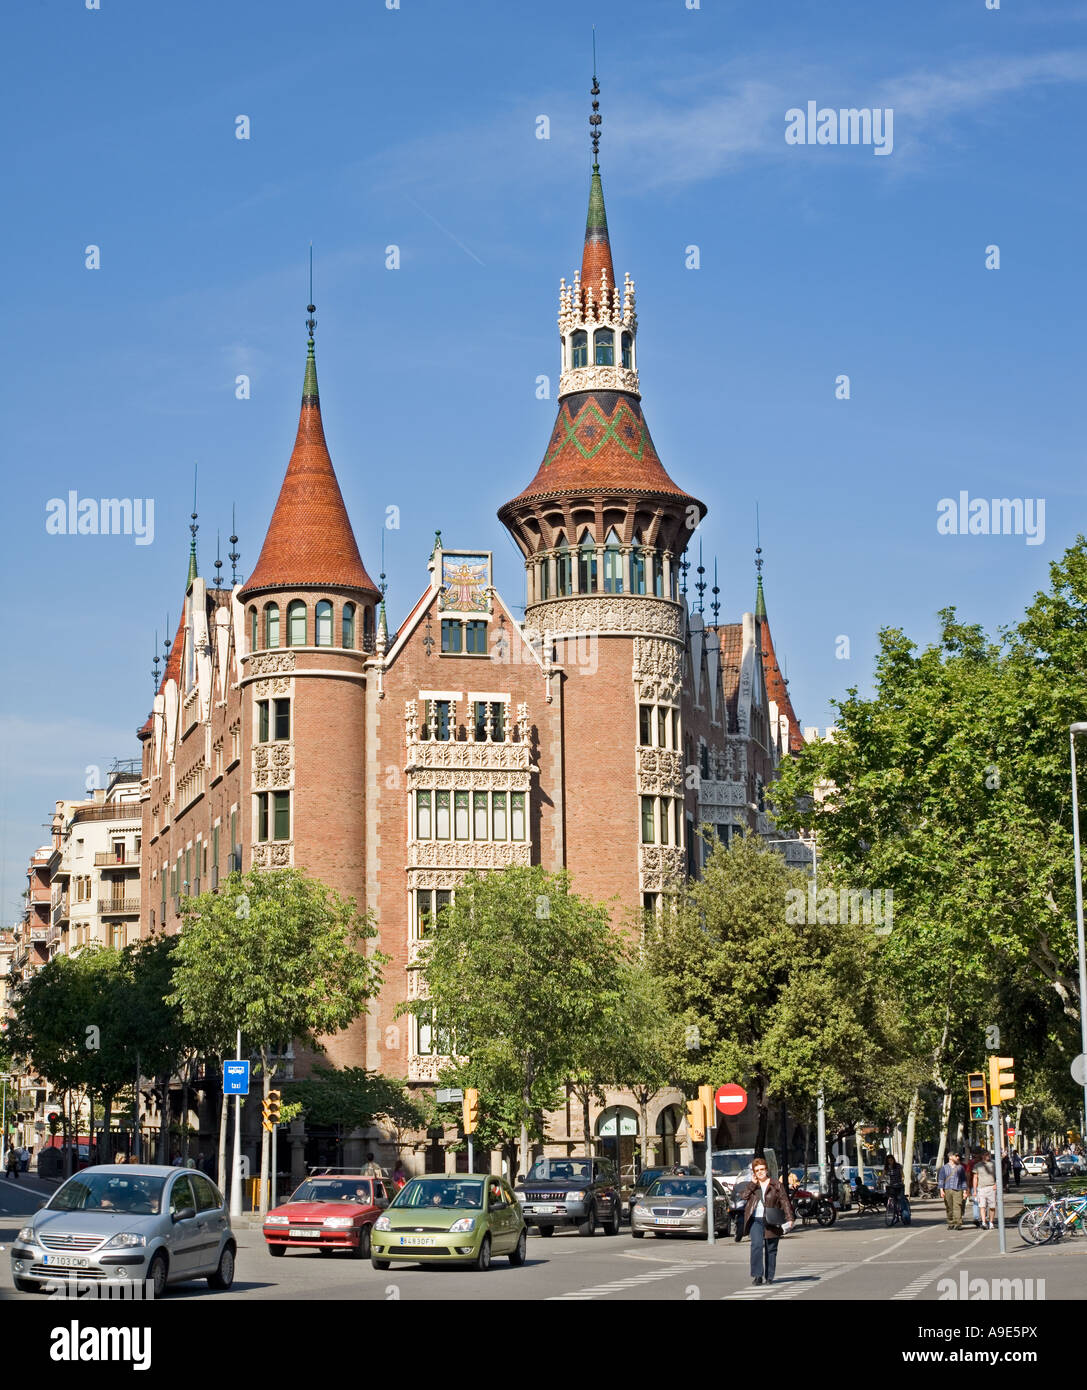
point(773, 1216)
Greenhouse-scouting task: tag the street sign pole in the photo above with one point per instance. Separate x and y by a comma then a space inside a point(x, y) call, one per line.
point(998, 1150)
point(711, 1125)
point(471, 1155)
point(236, 1165)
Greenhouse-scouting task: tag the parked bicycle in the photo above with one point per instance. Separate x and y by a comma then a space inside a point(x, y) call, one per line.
point(1062, 1216)
point(898, 1206)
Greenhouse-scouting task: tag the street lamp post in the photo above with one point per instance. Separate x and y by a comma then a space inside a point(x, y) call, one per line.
point(1073, 730)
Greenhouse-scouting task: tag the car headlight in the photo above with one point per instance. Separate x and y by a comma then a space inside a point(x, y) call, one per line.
point(466, 1223)
point(339, 1221)
point(27, 1233)
point(277, 1220)
point(697, 1211)
point(575, 1196)
point(520, 1196)
point(126, 1238)
point(383, 1224)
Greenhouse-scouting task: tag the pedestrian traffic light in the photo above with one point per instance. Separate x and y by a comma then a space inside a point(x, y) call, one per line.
point(696, 1120)
point(470, 1111)
point(1001, 1079)
point(977, 1095)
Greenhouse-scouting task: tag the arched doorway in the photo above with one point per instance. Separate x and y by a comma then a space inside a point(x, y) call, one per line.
point(617, 1136)
point(668, 1122)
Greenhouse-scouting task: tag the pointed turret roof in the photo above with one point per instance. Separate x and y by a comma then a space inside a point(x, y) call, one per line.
point(310, 543)
point(776, 687)
point(597, 253)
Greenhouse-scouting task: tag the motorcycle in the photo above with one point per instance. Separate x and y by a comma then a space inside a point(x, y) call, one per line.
point(810, 1206)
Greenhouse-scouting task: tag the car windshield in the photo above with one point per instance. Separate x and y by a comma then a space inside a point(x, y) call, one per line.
point(333, 1190)
point(730, 1165)
point(678, 1187)
point(138, 1194)
point(563, 1169)
point(441, 1192)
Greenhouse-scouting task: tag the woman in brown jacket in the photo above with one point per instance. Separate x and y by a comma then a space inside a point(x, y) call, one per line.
point(767, 1213)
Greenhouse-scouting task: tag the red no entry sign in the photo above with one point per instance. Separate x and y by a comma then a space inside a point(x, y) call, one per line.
point(730, 1100)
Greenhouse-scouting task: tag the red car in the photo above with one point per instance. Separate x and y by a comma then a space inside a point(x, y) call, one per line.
point(328, 1214)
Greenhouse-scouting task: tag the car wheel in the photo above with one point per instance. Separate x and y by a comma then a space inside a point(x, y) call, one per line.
point(482, 1261)
point(277, 1250)
point(545, 1230)
point(588, 1226)
point(224, 1275)
point(156, 1274)
point(517, 1254)
point(638, 1235)
point(26, 1285)
point(362, 1250)
point(611, 1228)
point(379, 1264)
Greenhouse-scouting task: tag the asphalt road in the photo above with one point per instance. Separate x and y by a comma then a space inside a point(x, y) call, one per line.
point(856, 1259)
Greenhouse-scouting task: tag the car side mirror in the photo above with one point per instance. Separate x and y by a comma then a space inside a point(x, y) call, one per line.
point(185, 1214)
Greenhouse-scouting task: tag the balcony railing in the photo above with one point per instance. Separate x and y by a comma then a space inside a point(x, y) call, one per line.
point(108, 860)
point(114, 810)
point(118, 907)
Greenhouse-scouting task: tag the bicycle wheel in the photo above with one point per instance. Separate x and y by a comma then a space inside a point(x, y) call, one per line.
point(1039, 1225)
point(892, 1215)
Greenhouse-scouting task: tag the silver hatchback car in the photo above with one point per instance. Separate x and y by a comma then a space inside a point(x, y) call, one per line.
point(128, 1222)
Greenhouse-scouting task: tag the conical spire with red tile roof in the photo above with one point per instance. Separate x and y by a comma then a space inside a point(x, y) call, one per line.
point(310, 543)
point(777, 688)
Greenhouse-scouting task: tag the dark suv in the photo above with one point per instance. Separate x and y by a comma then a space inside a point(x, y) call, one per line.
point(581, 1192)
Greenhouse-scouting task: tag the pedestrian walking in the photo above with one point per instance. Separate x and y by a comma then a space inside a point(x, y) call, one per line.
point(951, 1181)
point(1017, 1166)
point(24, 1159)
point(12, 1164)
point(985, 1189)
point(371, 1169)
point(399, 1175)
point(971, 1193)
point(767, 1213)
point(1050, 1163)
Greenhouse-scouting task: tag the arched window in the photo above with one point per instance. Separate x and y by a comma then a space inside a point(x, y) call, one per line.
point(323, 620)
point(564, 581)
point(604, 343)
point(368, 629)
point(349, 625)
point(253, 638)
point(586, 560)
point(271, 625)
point(628, 349)
point(579, 344)
point(296, 623)
point(613, 564)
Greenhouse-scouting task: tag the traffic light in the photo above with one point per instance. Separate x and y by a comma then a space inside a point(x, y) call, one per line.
point(470, 1111)
point(270, 1107)
point(709, 1110)
point(54, 1122)
point(1001, 1079)
point(977, 1095)
point(696, 1120)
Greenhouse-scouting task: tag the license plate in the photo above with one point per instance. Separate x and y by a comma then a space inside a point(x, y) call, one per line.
point(668, 1220)
point(303, 1232)
point(547, 1211)
point(66, 1261)
point(417, 1240)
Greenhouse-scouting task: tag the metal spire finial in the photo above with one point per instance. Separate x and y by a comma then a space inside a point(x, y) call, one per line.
point(166, 643)
point(595, 119)
point(155, 667)
point(234, 556)
point(758, 541)
point(701, 585)
point(193, 528)
point(684, 566)
point(311, 308)
point(716, 604)
point(218, 560)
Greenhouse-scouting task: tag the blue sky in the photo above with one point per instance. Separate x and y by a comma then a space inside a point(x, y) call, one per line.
point(417, 127)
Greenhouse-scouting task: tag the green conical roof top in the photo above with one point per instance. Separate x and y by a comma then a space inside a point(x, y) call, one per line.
point(760, 601)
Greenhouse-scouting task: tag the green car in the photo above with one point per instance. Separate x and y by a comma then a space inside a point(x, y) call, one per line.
point(461, 1218)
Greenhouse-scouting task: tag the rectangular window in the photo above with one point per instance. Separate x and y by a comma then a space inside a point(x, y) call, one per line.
point(664, 811)
point(188, 871)
point(677, 807)
point(704, 760)
point(162, 881)
point(645, 725)
point(234, 846)
point(545, 579)
point(441, 713)
point(424, 911)
point(497, 712)
point(476, 638)
point(215, 846)
point(282, 728)
point(658, 576)
point(649, 902)
point(262, 721)
point(517, 816)
point(195, 888)
point(262, 816)
point(441, 815)
point(479, 816)
point(638, 571)
point(662, 727)
point(675, 729)
point(613, 571)
point(452, 630)
point(282, 827)
point(423, 824)
point(442, 898)
point(649, 818)
point(499, 812)
point(460, 815)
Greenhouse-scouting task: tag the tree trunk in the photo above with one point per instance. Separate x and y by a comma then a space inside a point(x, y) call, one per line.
point(585, 1121)
point(223, 1117)
point(185, 1113)
point(164, 1119)
point(265, 1137)
point(860, 1153)
point(911, 1131)
point(945, 1116)
point(91, 1152)
point(643, 1124)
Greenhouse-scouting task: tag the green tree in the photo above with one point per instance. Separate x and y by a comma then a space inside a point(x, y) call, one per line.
point(520, 973)
point(278, 956)
point(351, 1098)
